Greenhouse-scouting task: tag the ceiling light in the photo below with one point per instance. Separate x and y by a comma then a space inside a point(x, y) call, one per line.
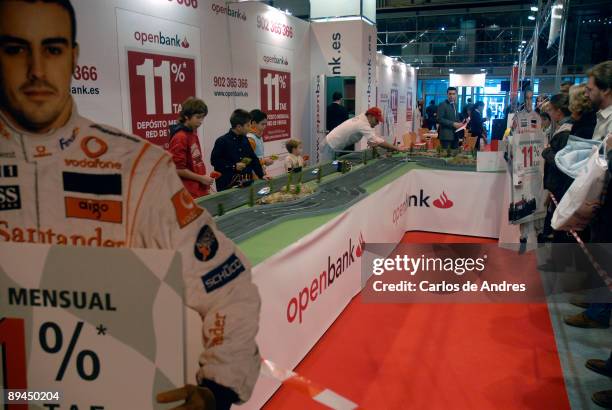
point(483, 69)
point(531, 17)
point(534, 8)
point(404, 46)
point(451, 70)
point(442, 29)
point(524, 42)
point(418, 68)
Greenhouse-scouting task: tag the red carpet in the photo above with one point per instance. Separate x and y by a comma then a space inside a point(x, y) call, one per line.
point(426, 356)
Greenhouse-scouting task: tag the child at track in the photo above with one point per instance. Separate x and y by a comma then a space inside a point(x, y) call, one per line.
point(259, 121)
point(294, 162)
point(185, 148)
point(232, 155)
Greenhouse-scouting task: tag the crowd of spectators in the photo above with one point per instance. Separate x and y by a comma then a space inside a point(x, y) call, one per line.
point(584, 111)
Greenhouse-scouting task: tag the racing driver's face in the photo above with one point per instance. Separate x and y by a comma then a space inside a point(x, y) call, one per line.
point(37, 59)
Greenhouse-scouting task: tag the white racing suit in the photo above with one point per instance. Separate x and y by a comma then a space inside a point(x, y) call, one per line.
point(90, 185)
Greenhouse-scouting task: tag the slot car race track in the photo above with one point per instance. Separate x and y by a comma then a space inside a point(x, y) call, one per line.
point(333, 195)
point(238, 197)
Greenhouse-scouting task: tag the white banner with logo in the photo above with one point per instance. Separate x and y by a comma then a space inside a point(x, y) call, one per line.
point(307, 285)
point(102, 327)
point(462, 203)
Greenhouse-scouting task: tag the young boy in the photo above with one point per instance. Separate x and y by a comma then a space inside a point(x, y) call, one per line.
point(185, 148)
point(259, 121)
point(294, 161)
point(233, 156)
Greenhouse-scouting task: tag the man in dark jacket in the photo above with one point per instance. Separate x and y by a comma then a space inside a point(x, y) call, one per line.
point(448, 120)
point(431, 114)
point(336, 112)
point(476, 128)
point(467, 108)
point(233, 155)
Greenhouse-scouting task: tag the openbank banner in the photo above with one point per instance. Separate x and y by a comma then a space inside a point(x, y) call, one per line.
point(159, 62)
point(307, 285)
point(140, 59)
point(92, 328)
point(453, 202)
point(275, 67)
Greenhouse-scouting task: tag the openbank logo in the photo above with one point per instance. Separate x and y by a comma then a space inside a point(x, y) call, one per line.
point(276, 60)
point(336, 265)
point(421, 201)
point(219, 9)
point(172, 40)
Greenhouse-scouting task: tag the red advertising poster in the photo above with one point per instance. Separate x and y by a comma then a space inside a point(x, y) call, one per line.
point(158, 86)
point(275, 92)
point(409, 106)
point(394, 104)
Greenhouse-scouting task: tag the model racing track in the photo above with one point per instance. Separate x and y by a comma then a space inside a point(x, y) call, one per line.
point(330, 196)
point(237, 197)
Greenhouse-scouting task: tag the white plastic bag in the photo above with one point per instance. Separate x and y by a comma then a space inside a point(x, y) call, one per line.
point(575, 155)
point(577, 205)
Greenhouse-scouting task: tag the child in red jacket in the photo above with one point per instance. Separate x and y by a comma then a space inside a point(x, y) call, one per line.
point(185, 148)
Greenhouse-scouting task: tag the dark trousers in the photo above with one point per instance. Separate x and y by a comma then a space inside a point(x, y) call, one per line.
point(452, 144)
point(599, 312)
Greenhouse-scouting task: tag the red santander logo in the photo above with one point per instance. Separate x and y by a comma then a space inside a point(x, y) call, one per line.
point(443, 202)
point(420, 200)
point(361, 246)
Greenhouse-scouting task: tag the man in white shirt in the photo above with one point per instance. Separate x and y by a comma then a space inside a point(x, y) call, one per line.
point(599, 91)
point(352, 131)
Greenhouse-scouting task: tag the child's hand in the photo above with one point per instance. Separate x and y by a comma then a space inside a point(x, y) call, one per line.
point(206, 180)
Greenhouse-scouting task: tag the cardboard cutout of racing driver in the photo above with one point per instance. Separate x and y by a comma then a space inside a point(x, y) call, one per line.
point(62, 153)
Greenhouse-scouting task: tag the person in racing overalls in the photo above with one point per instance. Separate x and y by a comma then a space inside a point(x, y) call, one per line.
point(65, 180)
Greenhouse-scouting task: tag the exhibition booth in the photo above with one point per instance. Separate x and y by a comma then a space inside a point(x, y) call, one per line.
point(139, 59)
